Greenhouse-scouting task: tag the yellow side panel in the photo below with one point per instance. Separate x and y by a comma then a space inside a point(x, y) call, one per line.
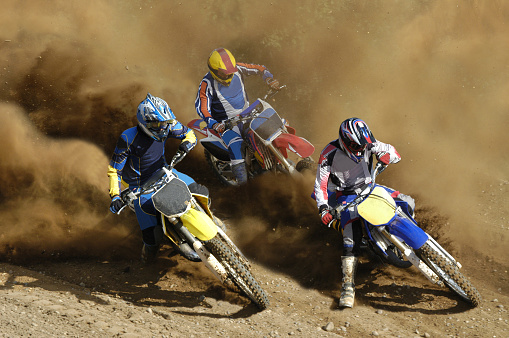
point(378, 208)
point(199, 224)
point(204, 202)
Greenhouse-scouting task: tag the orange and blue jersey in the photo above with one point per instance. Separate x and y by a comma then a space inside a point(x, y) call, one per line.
point(216, 102)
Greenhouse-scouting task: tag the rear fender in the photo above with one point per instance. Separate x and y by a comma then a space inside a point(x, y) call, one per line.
point(198, 125)
point(199, 224)
point(296, 144)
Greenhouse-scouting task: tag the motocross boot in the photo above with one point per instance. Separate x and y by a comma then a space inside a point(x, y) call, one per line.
point(240, 172)
point(148, 253)
point(349, 265)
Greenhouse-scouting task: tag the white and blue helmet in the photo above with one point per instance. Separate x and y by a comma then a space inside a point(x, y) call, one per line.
point(155, 117)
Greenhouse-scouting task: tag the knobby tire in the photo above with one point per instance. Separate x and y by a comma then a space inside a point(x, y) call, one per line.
point(221, 178)
point(448, 270)
point(238, 272)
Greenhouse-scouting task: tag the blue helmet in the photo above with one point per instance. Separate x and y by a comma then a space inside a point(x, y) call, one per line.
point(155, 117)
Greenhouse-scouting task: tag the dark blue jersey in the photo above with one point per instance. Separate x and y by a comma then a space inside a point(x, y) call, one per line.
point(137, 156)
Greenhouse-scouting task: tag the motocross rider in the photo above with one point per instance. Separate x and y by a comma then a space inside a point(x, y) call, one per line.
point(139, 153)
point(221, 95)
point(344, 168)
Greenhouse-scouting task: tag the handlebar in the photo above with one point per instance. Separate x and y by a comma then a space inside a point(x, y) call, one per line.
point(229, 123)
point(379, 168)
point(272, 92)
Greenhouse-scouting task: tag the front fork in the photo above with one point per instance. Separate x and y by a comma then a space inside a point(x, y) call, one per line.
point(411, 256)
point(206, 257)
point(281, 158)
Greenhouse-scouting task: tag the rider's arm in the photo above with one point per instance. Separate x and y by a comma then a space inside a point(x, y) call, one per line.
point(203, 102)
point(117, 162)
point(322, 179)
point(248, 69)
point(385, 152)
point(183, 133)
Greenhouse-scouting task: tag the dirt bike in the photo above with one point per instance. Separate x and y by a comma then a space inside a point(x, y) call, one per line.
point(392, 233)
point(188, 223)
point(268, 143)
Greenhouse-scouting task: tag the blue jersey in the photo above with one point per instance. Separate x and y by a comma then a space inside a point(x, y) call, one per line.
point(137, 156)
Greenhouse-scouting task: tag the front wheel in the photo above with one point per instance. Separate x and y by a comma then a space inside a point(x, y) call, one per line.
point(449, 273)
point(306, 164)
point(238, 272)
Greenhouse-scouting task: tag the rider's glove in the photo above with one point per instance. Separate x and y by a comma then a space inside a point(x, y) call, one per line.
point(385, 153)
point(186, 146)
point(219, 127)
point(273, 83)
point(326, 215)
point(116, 204)
point(388, 157)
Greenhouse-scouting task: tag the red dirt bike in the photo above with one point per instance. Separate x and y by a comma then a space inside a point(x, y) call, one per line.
point(270, 144)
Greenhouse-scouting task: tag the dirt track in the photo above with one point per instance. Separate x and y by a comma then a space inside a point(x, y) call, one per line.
point(430, 78)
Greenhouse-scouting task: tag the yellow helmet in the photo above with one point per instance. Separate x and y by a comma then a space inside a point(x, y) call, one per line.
point(222, 65)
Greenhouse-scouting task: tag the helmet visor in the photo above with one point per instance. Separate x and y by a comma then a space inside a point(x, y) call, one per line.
point(354, 147)
point(222, 74)
point(158, 125)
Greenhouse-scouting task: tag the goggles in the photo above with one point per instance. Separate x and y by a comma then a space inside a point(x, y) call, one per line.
point(158, 125)
point(354, 147)
point(220, 73)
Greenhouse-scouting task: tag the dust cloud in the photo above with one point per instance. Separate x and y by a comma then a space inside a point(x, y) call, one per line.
point(431, 78)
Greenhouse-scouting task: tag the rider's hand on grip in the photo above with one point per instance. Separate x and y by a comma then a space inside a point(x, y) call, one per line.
point(219, 127)
point(116, 204)
point(326, 215)
point(388, 157)
point(186, 146)
point(273, 83)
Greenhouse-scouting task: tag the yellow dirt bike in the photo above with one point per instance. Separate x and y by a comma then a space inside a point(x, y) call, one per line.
point(195, 232)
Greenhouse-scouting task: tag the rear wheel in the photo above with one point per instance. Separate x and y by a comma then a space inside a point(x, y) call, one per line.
point(449, 273)
point(222, 169)
point(238, 272)
point(306, 164)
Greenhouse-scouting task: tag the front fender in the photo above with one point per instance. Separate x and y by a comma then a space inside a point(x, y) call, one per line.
point(199, 224)
point(296, 144)
point(405, 229)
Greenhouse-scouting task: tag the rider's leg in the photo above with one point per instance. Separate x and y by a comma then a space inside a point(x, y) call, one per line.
point(239, 170)
point(150, 248)
point(233, 140)
point(349, 261)
point(146, 216)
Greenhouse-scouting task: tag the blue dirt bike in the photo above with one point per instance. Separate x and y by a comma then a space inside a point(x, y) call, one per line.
point(392, 233)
